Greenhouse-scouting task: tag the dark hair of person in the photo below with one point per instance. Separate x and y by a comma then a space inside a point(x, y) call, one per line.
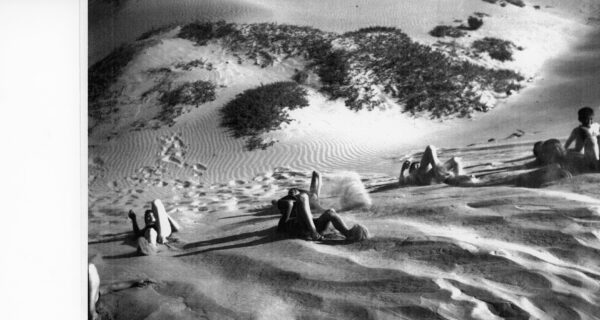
point(585, 113)
point(549, 152)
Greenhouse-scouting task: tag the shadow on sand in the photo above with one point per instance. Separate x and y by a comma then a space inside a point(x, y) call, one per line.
point(264, 236)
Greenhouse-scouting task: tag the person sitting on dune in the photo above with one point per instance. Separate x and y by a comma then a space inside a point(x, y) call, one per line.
point(297, 219)
point(585, 137)
point(431, 170)
point(95, 290)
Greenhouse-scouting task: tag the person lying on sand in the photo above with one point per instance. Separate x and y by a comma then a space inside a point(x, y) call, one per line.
point(555, 164)
point(150, 233)
point(585, 137)
point(297, 219)
point(95, 290)
point(431, 170)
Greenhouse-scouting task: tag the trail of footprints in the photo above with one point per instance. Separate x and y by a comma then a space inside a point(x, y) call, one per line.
point(190, 198)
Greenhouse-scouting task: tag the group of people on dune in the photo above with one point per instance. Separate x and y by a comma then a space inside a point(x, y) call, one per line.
point(296, 221)
point(551, 157)
point(553, 160)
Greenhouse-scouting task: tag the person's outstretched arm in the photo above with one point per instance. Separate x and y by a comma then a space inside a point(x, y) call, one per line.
point(136, 229)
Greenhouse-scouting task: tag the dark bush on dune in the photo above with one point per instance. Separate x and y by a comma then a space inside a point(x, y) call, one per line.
point(446, 31)
point(497, 48)
point(103, 73)
point(375, 29)
point(490, 1)
point(333, 71)
point(518, 3)
point(201, 32)
point(193, 93)
point(189, 93)
point(262, 109)
point(474, 23)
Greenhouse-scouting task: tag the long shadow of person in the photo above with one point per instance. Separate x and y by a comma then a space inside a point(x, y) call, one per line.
point(264, 236)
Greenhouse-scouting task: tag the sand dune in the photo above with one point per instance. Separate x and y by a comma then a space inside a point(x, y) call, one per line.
point(437, 252)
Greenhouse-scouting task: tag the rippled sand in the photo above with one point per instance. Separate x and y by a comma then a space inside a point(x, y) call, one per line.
point(437, 252)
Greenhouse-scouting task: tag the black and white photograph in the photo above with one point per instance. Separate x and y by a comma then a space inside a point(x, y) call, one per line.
point(341, 159)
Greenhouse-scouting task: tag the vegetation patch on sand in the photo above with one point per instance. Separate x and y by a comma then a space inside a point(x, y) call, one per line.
point(189, 93)
point(496, 48)
point(365, 66)
point(446, 31)
point(102, 75)
point(518, 3)
point(262, 109)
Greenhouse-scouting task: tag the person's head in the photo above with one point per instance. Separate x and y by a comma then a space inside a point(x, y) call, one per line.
point(413, 167)
point(586, 116)
point(550, 151)
point(293, 192)
point(149, 217)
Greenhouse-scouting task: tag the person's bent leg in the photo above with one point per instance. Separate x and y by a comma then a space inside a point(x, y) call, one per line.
point(455, 166)
point(305, 215)
point(315, 183)
point(331, 216)
point(429, 160)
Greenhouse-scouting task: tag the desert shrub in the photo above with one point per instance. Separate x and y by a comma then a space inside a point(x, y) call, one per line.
point(262, 109)
point(474, 23)
point(376, 29)
point(446, 31)
point(498, 49)
point(189, 93)
point(194, 93)
point(104, 72)
point(491, 1)
point(201, 32)
point(333, 70)
point(300, 76)
point(190, 65)
point(518, 3)
point(377, 59)
point(256, 142)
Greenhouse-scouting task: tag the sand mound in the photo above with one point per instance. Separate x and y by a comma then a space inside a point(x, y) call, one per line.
point(435, 252)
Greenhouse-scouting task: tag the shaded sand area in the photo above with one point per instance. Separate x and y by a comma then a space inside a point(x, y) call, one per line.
point(437, 252)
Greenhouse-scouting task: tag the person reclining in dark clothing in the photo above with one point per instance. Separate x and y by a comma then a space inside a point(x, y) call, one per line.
point(297, 219)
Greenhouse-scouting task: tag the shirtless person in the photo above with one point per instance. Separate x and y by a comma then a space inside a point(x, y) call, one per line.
point(550, 154)
point(150, 231)
point(148, 237)
point(585, 137)
point(297, 220)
